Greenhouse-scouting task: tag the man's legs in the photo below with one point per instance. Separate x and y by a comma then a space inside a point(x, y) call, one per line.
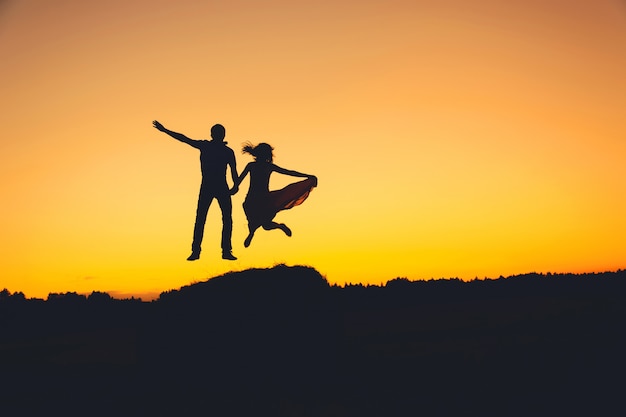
point(226, 206)
point(204, 201)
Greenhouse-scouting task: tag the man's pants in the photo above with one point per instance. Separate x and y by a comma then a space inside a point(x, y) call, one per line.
point(204, 201)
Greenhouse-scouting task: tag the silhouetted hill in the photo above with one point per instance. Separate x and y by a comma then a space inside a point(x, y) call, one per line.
point(283, 342)
point(280, 285)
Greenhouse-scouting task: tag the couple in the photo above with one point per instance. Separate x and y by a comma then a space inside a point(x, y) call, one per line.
point(260, 205)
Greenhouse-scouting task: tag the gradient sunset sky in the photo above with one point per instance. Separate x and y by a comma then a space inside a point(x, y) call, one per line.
point(451, 138)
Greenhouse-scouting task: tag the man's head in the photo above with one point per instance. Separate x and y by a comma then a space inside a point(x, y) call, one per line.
point(218, 132)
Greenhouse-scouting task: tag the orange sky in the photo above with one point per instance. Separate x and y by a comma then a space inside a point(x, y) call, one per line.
point(451, 138)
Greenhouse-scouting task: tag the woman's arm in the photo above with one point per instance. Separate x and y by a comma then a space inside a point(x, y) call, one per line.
point(242, 176)
point(290, 172)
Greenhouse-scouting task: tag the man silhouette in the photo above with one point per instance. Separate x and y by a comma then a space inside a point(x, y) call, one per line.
point(215, 156)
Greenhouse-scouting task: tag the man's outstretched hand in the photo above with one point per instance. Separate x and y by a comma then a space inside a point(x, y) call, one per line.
point(158, 126)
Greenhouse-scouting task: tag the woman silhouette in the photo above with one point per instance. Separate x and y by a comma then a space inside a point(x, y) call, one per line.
point(261, 205)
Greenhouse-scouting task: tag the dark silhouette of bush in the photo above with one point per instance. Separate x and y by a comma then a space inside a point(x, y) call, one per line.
point(6, 295)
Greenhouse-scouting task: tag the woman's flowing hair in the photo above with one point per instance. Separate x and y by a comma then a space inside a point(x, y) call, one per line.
point(261, 152)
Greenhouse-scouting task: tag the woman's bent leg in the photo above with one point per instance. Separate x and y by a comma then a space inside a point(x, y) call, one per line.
point(281, 226)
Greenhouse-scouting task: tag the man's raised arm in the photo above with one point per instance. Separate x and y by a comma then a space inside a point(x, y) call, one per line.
point(175, 135)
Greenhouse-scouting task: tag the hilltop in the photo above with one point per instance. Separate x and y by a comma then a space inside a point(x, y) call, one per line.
point(283, 342)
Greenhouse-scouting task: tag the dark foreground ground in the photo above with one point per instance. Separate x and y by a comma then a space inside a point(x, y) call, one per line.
point(282, 342)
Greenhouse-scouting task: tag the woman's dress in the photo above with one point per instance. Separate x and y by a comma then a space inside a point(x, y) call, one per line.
point(262, 207)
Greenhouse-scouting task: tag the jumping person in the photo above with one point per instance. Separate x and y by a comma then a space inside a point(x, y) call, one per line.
point(215, 157)
point(261, 205)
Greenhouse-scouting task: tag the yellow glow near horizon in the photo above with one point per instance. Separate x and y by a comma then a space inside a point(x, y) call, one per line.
point(450, 138)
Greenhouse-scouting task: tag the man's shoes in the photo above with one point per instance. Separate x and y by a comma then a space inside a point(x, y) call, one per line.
point(228, 255)
point(225, 255)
